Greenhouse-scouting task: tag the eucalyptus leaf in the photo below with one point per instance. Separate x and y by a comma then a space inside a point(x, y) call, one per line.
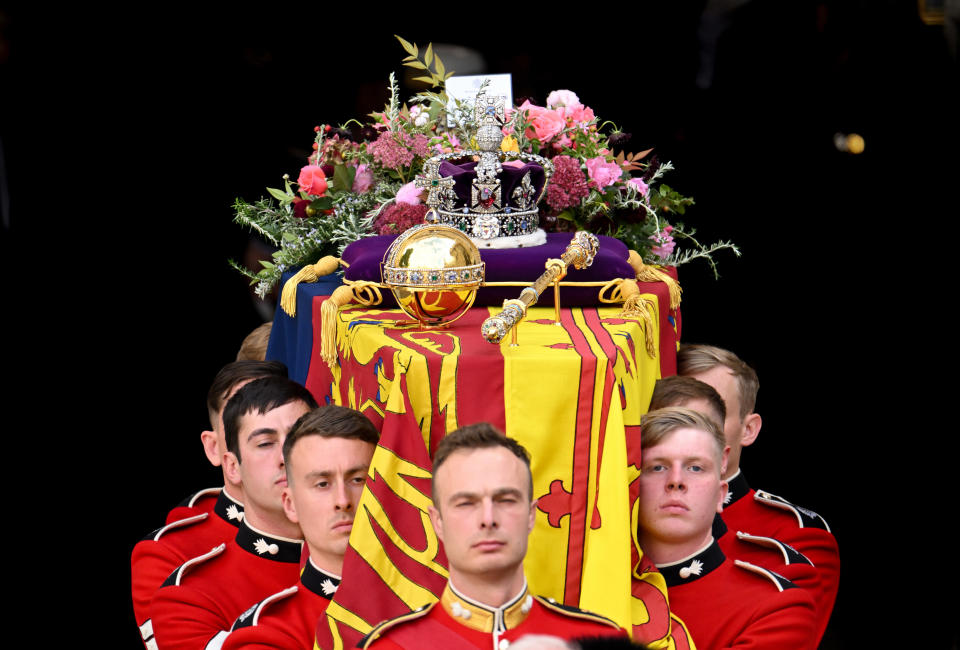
point(342, 178)
point(279, 195)
point(415, 64)
point(428, 55)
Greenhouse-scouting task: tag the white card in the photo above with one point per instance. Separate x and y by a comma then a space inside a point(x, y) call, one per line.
point(465, 88)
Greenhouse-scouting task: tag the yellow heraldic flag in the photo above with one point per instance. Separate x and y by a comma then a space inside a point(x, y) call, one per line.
point(571, 393)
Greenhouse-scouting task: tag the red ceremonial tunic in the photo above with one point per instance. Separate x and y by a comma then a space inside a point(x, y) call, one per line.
point(202, 501)
point(763, 514)
point(287, 620)
point(159, 554)
point(457, 622)
point(199, 602)
point(728, 604)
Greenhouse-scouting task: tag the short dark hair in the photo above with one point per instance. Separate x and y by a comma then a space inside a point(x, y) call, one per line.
point(232, 374)
point(330, 421)
point(261, 395)
point(678, 391)
point(481, 435)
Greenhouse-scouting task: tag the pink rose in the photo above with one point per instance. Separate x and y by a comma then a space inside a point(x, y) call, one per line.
point(642, 187)
point(548, 124)
point(409, 194)
point(312, 180)
point(580, 114)
point(562, 98)
point(601, 172)
point(363, 179)
point(532, 109)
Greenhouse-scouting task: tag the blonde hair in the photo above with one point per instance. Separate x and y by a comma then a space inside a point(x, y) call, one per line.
point(695, 359)
point(656, 425)
point(254, 346)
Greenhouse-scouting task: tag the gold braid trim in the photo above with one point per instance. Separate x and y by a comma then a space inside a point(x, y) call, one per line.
point(309, 273)
point(365, 292)
point(328, 323)
point(647, 273)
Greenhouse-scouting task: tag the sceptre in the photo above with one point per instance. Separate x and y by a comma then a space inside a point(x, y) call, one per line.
point(580, 253)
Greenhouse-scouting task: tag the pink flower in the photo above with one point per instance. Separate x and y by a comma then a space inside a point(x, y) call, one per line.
point(664, 243)
point(562, 98)
point(580, 114)
point(548, 124)
point(602, 173)
point(398, 217)
point(420, 144)
point(409, 194)
point(642, 187)
point(312, 180)
point(363, 179)
point(568, 185)
point(390, 153)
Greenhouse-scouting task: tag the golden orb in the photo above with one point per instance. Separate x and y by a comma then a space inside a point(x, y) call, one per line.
point(434, 272)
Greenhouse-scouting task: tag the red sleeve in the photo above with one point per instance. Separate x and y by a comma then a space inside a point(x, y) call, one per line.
point(186, 619)
point(787, 621)
point(151, 563)
point(820, 547)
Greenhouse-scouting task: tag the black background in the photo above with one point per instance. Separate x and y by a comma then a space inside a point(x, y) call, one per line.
point(127, 135)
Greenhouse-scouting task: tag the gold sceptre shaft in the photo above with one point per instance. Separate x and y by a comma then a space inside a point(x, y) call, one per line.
point(579, 253)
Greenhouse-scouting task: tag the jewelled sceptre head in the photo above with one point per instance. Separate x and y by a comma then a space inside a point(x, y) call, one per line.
point(579, 253)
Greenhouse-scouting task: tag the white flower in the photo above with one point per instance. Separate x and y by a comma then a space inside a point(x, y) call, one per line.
point(562, 98)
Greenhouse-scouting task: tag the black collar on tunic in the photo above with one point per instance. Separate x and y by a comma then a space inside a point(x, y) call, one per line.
point(271, 547)
point(693, 567)
point(228, 509)
point(737, 488)
point(319, 581)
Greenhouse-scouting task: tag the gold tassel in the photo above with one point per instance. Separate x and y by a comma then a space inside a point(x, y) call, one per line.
point(328, 323)
point(634, 306)
point(646, 273)
point(309, 273)
point(365, 292)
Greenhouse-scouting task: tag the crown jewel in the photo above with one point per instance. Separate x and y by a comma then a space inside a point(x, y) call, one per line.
point(494, 203)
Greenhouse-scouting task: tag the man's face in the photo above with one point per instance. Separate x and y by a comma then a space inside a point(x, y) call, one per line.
point(723, 381)
point(483, 512)
point(327, 477)
point(260, 440)
point(680, 491)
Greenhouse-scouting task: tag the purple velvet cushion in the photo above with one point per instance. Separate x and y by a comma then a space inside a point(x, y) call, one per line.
point(508, 265)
